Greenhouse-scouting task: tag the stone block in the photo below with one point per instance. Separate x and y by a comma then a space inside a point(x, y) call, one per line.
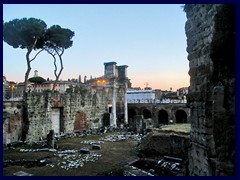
point(84, 150)
point(96, 146)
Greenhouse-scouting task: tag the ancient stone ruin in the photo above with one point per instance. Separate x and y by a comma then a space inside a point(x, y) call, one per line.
point(67, 113)
point(207, 149)
point(210, 31)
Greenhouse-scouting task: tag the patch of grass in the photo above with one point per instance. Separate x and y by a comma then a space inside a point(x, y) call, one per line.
point(185, 128)
point(15, 155)
point(114, 156)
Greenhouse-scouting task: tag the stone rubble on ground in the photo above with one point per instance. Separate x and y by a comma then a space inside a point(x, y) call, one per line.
point(77, 158)
point(91, 142)
point(70, 161)
point(37, 150)
point(121, 137)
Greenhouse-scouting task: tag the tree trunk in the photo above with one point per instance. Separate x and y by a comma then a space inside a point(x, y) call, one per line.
point(55, 71)
point(24, 109)
point(27, 73)
point(29, 50)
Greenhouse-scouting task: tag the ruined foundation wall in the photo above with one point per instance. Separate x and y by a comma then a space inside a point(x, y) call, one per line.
point(39, 114)
point(12, 122)
point(93, 106)
point(76, 113)
point(210, 31)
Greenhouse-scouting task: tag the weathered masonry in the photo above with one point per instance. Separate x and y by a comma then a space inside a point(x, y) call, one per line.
point(210, 31)
point(116, 89)
point(160, 114)
point(103, 105)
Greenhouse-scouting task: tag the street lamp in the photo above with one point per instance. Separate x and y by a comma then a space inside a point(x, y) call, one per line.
point(102, 82)
point(12, 87)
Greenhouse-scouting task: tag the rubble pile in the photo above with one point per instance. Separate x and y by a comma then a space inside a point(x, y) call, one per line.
point(91, 142)
point(167, 166)
point(121, 134)
point(122, 137)
point(71, 159)
point(38, 150)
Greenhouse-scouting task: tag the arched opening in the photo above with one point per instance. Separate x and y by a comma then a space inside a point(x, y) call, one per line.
point(131, 113)
point(163, 117)
point(147, 114)
point(181, 116)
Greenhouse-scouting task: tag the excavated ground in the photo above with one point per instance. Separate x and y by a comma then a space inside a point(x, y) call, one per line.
point(67, 160)
point(116, 151)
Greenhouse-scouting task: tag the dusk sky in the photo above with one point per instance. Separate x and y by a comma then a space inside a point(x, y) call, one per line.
point(149, 39)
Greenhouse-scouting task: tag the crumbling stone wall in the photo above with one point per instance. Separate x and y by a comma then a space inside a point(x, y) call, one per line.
point(210, 31)
point(39, 116)
point(76, 113)
point(93, 108)
point(12, 122)
point(73, 109)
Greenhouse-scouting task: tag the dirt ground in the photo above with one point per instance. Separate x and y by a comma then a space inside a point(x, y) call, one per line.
point(110, 158)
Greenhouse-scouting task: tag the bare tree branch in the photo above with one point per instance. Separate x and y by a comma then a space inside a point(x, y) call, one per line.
point(36, 55)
